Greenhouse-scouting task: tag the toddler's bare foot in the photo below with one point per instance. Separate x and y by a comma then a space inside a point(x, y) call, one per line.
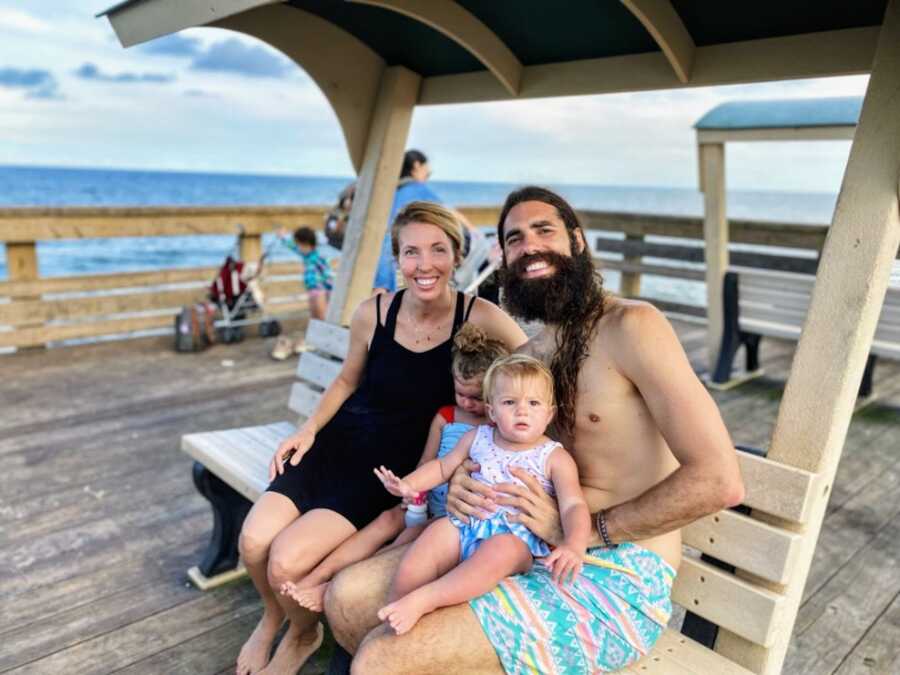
point(403, 614)
point(312, 598)
point(255, 652)
point(294, 650)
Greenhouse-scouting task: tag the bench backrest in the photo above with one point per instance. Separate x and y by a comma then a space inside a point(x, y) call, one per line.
point(776, 304)
point(319, 365)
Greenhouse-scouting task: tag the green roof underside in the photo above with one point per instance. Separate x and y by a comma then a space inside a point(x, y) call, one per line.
point(542, 31)
point(798, 113)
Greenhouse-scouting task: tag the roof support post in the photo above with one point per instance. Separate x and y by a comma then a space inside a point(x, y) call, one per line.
point(846, 302)
point(375, 189)
point(715, 234)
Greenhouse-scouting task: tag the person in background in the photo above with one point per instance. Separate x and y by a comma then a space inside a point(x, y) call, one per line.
point(318, 278)
point(412, 188)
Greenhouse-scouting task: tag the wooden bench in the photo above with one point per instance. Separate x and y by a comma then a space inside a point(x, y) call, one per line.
point(728, 590)
point(767, 303)
point(231, 467)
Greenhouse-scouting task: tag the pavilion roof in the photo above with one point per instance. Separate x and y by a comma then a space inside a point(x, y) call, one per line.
point(782, 114)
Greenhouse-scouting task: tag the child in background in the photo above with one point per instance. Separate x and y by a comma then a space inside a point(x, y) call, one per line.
point(473, 354)
point(454, 561)
point(318, 278)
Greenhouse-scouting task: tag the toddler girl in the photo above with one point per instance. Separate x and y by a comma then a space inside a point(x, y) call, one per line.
point(454, 561)
point(473, 353)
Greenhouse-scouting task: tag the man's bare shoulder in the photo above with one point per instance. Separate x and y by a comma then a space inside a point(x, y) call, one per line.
point(632, 325)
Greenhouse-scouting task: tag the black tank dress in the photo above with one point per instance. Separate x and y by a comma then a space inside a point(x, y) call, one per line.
point(385, 421)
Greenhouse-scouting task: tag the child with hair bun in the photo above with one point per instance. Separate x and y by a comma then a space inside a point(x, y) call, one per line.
point(473, 354)
point(454, 561)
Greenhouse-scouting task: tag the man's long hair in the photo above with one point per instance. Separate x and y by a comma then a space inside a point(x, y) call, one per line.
point(572, 299)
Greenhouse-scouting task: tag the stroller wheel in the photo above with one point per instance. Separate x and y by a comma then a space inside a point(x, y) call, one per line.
point(269, 328)
point(230, 334)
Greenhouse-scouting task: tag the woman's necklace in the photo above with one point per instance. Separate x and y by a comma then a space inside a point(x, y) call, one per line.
point(424, 335)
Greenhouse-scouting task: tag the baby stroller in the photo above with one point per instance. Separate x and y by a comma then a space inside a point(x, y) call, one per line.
point(234, 300)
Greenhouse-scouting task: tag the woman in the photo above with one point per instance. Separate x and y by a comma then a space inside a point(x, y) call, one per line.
point(377, 411)
point(412, 187)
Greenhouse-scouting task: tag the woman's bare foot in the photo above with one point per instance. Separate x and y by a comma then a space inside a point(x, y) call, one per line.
point(294, 650)
point(403, 614)
point(312, 597)
point(255, 652)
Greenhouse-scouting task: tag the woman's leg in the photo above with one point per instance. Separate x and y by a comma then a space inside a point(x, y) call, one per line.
point(269, 516)
point(295, 551)
point(310, 590)
point(495, 559)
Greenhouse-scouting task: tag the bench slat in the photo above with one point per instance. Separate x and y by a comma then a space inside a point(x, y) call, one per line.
point(771, 329)
point(778, 489)
point(766, 551)
point(239, 457)
point(730, 602)
point(674, 648)
point(304, 399)
point(318, 369)
point(327, 337)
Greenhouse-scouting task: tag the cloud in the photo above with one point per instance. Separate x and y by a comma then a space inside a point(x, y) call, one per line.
point(89, 71)
point(174, 45)
point(37, 83)
point(234, 56)
point(22, 21)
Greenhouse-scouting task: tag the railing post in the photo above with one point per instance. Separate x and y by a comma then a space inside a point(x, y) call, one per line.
point(251, 247)
point(715, 232)
point(630, 286)
point(22, 265)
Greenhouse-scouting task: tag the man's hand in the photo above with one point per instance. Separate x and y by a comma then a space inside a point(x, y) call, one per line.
point(293, 447)
point(394, 484)
point(538, 511)
point(467, 496)
point(565, 562)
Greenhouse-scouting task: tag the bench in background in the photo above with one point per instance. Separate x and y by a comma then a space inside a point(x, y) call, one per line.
point(761, 303)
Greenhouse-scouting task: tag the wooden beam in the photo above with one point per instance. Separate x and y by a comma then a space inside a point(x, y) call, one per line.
point(832, 133)
point(138, 22)
point(374, 192)
point(849, 52)
point(715, 234)
point(847, 298)
point(464, 28)
point(345, 69)
point(668, 30)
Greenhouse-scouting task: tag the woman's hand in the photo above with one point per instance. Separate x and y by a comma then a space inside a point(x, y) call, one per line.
point(565, 563)
point(467, 496)
point(538, 511)
point(293, 447)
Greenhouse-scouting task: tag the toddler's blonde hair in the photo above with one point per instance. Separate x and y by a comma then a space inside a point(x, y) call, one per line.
point(519, 368)
point(474, 351)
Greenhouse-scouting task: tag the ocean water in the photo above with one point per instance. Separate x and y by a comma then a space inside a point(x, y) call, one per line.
point(21, 186)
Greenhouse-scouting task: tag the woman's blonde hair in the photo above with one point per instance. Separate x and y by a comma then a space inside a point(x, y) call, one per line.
point(430, 214)
point(518, 367)
point(474, 352)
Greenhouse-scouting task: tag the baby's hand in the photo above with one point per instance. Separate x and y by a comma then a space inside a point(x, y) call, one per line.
point(393, 484)
point(565, 562)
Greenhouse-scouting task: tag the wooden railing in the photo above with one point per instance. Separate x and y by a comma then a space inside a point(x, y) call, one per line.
point(40, 310)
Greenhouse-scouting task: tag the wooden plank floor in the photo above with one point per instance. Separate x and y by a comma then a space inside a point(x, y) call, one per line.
point(99, 520)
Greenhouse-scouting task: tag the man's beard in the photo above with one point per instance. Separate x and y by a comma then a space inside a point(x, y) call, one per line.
point(552, 299)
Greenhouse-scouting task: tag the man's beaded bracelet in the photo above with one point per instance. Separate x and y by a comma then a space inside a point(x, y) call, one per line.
point(602, 531)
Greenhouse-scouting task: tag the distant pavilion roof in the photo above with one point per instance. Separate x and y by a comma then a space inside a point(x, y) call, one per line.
point(795, 113)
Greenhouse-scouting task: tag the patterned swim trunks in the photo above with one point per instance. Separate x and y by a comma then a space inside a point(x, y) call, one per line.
point(609, 617)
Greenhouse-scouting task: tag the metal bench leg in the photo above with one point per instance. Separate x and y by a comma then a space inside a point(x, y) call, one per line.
point(865, 387)
point(220, 562)
point(751, 344)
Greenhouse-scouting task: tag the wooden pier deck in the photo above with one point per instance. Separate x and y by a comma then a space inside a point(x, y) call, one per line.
point(99, 519)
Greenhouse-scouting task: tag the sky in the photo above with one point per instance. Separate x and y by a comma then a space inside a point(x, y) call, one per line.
point(212, 100)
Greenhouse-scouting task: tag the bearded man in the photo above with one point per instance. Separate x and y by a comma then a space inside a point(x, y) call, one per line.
point(652, 452)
